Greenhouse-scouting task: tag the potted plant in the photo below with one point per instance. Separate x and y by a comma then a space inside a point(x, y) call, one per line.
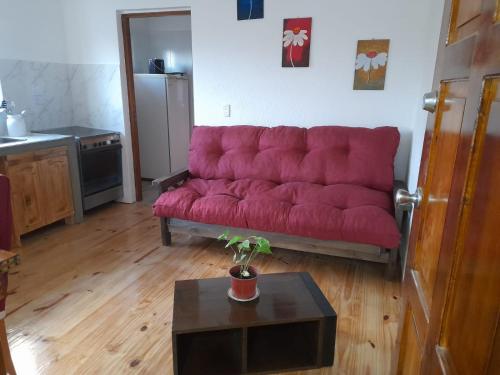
point(243, 274)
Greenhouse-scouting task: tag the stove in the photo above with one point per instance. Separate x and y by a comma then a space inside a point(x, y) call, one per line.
point(87, 138)
point(100, 163)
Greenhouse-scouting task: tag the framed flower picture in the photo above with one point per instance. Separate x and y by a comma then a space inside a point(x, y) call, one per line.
point(250, 9)
point(371, 64)
point(296, 44)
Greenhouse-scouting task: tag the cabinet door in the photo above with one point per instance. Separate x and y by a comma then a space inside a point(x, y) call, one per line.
point(26, 194)
point(57, 200)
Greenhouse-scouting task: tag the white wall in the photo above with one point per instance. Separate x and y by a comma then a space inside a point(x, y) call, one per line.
point(420, 117)
point(35, 75)
point(32, 50)
point(168, 38)
point(239, 63)
point(141, 44)
point(32, 30)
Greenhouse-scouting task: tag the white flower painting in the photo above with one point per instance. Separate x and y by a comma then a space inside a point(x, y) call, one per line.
point(295, 37)
point(296, 42)
point(371, 61)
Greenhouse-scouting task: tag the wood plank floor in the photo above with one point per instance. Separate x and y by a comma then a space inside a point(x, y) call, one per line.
point(96, 298)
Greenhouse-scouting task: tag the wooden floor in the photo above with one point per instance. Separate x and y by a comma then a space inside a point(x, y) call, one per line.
point(96, 298)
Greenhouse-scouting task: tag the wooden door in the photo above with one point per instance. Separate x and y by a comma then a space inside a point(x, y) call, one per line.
point(57, 199)
point(26, 193)
point(451, 287)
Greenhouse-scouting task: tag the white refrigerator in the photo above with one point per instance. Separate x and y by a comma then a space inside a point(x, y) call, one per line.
point(162, 107)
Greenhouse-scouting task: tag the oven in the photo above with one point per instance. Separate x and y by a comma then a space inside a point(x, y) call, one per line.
point(101, 172)
point(99, 162)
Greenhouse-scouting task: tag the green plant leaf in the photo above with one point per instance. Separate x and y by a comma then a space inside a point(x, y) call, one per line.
point(245, 245)
point(233, 240)
point(224, 235)
point(263, 246)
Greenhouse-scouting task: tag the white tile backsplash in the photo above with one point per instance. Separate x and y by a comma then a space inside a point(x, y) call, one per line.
point(57, 95)
point(96, 96)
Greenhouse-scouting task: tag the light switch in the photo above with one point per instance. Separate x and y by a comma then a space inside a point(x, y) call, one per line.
point(227, 110)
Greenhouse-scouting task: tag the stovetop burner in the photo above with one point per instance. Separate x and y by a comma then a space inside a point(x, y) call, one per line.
point(78, 131)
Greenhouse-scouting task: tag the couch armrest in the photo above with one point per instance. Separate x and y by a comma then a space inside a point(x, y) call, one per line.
point(171, 181)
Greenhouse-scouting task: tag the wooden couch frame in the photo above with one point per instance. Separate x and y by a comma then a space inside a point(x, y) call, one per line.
point(350, 250)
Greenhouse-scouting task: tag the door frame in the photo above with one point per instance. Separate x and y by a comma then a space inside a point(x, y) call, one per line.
point(129, 77)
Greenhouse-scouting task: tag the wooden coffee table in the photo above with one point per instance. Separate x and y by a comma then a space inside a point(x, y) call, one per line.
point(291, 326)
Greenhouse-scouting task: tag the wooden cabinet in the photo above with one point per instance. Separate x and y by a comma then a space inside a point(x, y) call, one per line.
point(56, 188)
point(26, 197)
point(41, 188)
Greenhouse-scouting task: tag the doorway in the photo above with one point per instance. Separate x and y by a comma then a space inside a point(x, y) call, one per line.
point(159, 75)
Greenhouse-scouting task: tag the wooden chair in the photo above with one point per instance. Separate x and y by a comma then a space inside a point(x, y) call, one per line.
point(6, 259)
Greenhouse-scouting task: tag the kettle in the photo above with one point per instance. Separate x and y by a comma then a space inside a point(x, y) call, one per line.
point(3, 122)
point(16, 126)
point(3, 115)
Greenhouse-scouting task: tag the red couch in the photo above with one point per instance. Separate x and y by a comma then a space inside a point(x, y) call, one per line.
point(327, 183)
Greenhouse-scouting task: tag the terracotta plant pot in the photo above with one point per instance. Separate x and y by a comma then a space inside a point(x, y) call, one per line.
point(243, 288)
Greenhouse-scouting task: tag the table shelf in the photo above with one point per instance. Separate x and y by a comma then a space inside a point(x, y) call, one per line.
point(210, 353)
point(262, 349)
point(283, 346)
point(291, 326)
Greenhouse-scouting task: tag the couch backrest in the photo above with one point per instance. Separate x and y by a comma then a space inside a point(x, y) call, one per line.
point(324, 155)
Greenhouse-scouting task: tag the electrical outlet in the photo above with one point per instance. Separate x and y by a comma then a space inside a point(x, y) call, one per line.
point(227, 110)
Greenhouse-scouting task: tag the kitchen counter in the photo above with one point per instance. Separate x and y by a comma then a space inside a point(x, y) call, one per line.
point(34, 142)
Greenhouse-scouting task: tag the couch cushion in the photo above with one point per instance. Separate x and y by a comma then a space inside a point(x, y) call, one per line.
point(340, 212)
point(325, 155)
